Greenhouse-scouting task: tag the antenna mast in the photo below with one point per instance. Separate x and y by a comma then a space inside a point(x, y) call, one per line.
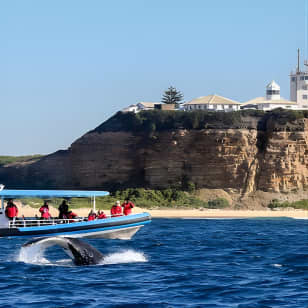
point(297, 69)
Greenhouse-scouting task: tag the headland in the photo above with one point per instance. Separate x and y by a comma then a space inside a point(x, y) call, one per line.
point(249, 157)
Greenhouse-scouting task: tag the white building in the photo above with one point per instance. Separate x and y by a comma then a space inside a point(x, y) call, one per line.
point(147, 105)
point(212, 102)
point(271, 101)
point(299, 85)
point(130, 108)
point(140, 106)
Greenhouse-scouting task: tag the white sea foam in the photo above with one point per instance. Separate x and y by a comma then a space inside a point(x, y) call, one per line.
point(125, 256)
point(33, 254)
point(277, 265)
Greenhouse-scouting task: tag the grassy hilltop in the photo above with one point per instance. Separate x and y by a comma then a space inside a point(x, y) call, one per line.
point(4, 160)
point(156, 120)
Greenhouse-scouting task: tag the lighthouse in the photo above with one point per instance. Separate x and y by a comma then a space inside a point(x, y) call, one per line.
point(272, 91)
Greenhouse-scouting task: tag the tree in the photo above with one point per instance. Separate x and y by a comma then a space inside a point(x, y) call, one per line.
point(172, 96)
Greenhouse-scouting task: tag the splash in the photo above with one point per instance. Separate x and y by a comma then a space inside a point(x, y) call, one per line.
point(35, 254)
point(32, 254)
point(125, 256)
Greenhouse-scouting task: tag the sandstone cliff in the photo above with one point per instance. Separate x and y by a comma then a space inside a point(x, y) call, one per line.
point(256, 153)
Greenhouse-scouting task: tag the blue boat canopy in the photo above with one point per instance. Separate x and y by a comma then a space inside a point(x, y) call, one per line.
point(10, 193)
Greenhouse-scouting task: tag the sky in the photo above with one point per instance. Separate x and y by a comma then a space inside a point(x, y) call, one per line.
point(66, 66)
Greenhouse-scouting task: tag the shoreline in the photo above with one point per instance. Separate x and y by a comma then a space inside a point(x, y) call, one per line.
point(227, 214)
point(28, 211)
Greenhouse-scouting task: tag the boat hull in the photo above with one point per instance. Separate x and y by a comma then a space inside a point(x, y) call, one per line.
point(121, 234)
point(123, 227)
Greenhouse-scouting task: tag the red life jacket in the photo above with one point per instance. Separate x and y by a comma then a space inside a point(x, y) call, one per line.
point(127, 208)
point(71, 215)
point(116, 210)
point(91, 217)
point(102, 216)
point(44, 212)
point(11, 211)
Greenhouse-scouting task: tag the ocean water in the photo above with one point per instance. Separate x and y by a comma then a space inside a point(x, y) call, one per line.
point(169, 263)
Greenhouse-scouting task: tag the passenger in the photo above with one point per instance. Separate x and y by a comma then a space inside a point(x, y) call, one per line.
point(44, 210)
point(127, 206)
point(92, 215)
point(11, 210)
point(71, 215)
point(101, 215)
point(116, 210)
point(63, 210)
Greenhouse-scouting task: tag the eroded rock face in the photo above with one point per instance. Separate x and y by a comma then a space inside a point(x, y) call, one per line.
point(106, 159)
point(237, 160)
point(240, 160)
point(208, 158)
point(284, 163)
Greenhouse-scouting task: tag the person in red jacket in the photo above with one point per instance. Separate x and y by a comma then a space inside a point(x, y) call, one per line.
point(116, 210)
point(71, 216)
point(11, 210)
point(101, 215)
point(127, 207)
point(44, 210)
point(92, 215)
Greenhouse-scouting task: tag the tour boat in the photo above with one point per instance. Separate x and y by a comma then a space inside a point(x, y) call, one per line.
point(121, 227)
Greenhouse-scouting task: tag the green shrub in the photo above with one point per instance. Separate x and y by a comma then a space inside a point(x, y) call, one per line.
point(300, 204)
point(170, 197)
point(191, 187)
point(188, 185)
point(151, 121)
point(218, 203)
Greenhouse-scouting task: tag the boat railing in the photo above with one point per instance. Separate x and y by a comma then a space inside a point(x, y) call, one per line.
point(37, 222)
point(42, 222)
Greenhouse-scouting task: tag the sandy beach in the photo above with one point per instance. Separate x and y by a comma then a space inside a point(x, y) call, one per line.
point(27, 211)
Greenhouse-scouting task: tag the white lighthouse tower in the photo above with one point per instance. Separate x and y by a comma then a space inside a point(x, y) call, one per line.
point(299, 85)
point(272, 91)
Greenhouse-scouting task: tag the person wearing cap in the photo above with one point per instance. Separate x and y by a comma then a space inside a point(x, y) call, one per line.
point(127, 206)
point(116, 209)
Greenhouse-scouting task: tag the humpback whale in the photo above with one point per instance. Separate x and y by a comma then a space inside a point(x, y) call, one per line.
point(79, 251)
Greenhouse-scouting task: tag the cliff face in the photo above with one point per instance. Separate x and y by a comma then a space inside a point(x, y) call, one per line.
point(209, 158)
point(284, 163)
point(51, 171)
point(105, 160)
point(239, 160)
